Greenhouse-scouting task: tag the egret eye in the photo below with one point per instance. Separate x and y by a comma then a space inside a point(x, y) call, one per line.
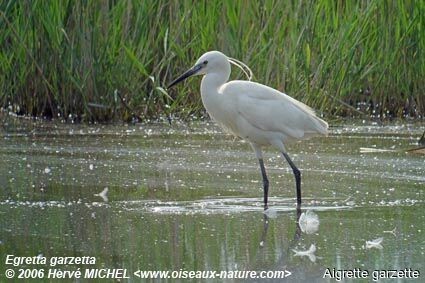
point(205, 62)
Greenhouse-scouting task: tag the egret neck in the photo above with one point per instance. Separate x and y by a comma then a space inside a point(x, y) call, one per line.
point(210, 90)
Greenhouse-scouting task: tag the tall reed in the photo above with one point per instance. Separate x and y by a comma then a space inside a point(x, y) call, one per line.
point(105, 60)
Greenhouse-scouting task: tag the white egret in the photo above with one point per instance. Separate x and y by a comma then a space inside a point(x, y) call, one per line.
point(257, 113)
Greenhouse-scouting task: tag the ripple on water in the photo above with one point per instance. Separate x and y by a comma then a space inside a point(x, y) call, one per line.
point(221, 206)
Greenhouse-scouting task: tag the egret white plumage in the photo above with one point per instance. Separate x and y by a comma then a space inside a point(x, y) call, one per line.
point(257, 113)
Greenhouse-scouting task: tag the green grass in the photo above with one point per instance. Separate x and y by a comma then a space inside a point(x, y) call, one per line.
point(107, 60)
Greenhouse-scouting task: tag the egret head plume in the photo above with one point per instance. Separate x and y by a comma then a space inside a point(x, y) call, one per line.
point(241, 65)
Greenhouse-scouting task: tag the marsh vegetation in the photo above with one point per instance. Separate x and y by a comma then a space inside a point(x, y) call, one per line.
point(107, 60)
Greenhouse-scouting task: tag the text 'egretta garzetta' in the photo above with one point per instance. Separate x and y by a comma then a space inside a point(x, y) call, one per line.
point(257, 113)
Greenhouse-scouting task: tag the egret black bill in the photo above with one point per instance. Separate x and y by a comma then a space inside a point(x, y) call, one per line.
point(187, 74)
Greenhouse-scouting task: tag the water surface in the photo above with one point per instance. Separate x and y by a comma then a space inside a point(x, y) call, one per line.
point(188, 197)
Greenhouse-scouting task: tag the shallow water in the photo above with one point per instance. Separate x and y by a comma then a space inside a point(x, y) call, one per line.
point(188, 197)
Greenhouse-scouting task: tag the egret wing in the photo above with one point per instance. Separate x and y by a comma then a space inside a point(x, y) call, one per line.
point(271, 110)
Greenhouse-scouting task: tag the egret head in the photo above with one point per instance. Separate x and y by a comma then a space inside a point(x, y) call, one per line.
point(213, 61)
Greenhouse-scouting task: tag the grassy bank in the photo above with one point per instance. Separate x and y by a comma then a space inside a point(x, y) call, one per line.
point(106, 60)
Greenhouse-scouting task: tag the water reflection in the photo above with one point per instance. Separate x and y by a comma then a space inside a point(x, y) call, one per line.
point(297, 230)
point(304, 268)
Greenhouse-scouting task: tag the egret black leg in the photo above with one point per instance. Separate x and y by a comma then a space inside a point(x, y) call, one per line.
point(265, 182)
point(297, 175)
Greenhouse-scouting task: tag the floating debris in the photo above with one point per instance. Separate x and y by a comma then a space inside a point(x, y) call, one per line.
point(392, 232)
point(309, 222)
point(376, 243)
point(309, 253)
point(417, 150)
point(372, 150)
point(103, 194)
point(349, 202)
